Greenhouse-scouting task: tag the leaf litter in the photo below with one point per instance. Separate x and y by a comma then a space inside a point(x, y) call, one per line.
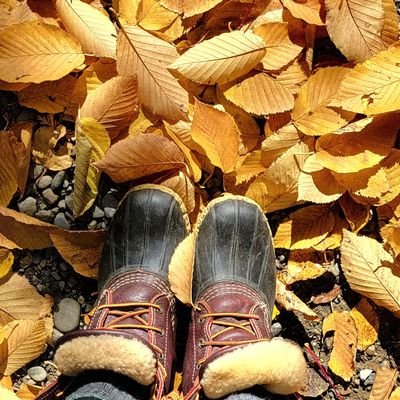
point(293, 103)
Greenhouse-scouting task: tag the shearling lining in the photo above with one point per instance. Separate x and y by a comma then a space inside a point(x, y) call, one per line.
point(278, 364)
point(128, 357)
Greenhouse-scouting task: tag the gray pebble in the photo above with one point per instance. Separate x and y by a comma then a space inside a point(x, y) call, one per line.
point(65, 184)
point(63, 266)
point(36, 259)
point(97, 213)
point(61, 221)
point(72, 282)
point(61, 285)
point(55, 210)
point(66, 318)
point(365, 373)
point(42, 263)
point(56, 276)
point(81, 300)
point(109, 201)
point(61, 204)
point(109, 212)
point(49, 196)
point(41, 204)
point(276, 329)
point(45, 215)
point(38, 374)
point(334, 269)
point(44, 182)
point(370, 380)
point(92, 225)
point(28, 206)
point(69, 202)
point(58, 180)
point(56, 334)
point(371, 350)
point(37, 171)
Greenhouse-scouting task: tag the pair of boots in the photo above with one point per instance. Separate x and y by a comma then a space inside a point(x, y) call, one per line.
point(133, 327)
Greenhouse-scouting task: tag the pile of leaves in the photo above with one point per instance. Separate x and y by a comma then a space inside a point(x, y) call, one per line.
point(288, 102)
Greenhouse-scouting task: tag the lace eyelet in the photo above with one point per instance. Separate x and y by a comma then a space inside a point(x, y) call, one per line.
point(161, 356)
point(201, 344)
point(159, 310)
point(162, 333)
point(198, 366)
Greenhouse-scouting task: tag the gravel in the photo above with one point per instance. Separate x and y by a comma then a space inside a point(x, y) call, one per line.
point(28, 206)
point(98, 213)
point(66, 318)
point(69, 202)
point(37, 171)
point(61, 221)
point(276, 329)
point(58, 181)
point(109, 211)
point(44, 182)
point(365, 373)
point(38, 374)
point(50, 197)
point(45, 215)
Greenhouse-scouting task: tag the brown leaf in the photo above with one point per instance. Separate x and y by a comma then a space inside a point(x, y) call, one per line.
point(327, 297)
point(142, 155)
point(81, 249)
point(308, 11)
point(384, 381)
point(112, 104)
point(6, 262)
point(343, 357)
point(217, 135)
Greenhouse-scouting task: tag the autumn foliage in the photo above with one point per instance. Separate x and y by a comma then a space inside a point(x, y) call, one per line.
point(293, 102)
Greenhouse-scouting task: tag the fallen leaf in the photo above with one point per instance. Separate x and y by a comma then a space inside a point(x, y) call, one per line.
point(142, 155)
point(250, 167)
point(7, 394)
point(305, 228)
point(6, 262)
point(190, 7)
point(311, 114)
point(90, 26)
point(28, 392)
point(356, 214)
point(260, 95)
point(47, 151)
point(315, 385)
point(81, 249)
point(308, 11)
point(290, 302)
point(92, 142)
point(21, 300)
point(368, 270)
point(143, 54)
point(342, 361)
point(152, 16)
point(327, 297)
point(356, 28)
point(222, 58)
point(25, 341)
point(36, 52)
point(395, 394)
point(367, 324)
point(217, 135)
point(112, 104)
point(391, 236)
point(48, 97)
point(384, 381)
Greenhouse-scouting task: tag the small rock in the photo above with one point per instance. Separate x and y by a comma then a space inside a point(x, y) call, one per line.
point(276, 329)
point(58, 180)
point(49, 196)
point(45, 215)
point(97, 213)
point(61, 285)
point(44, 182)
point(61, 221)
point(42, 263)
point(56, 334)
point(55, 210)
point(36, 259)
point(69, 202)
point(109, 212)
point(66, 318)
point(81, 300)
point(63, 266)
point(65, 184)
point(28, 206)
point(385, 364)
point(41, 205)
point(371, 350)
point(38, 374)
point(109, 201)
point(37, 171)
point(328, 342)
point(370, 380)
point(334, 269)
point(365, 373)
point(61, 204)
point(92, 225)
point(56, 276)
point(72, 282)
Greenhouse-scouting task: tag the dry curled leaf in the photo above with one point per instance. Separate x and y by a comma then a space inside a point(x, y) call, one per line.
point(6, 262)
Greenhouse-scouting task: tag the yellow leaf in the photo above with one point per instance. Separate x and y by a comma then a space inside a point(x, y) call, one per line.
point(374, 86)
point(305, 228)
point(8, 172)
point(139, 156)
point(90, 26)
point(310, 113)
point(180, 273)
point(7, 394)
point(190, 7)
point(368, 269)
point(276, 188)
point(26, 340)
point(141, 53)
point(127, 10)
point(384, 381)
point(317, 184)
point(308, 10)
point(355, 28)
point(280, 49)
point(390, 31)
point(92, 142)
point(112, 104)
point(367, 324)
point(152, 16)
point(36, 52)
point(395, 394)
point(292, 76)
point(81, 249)
point(250, 167)
point(48, 152)
point(217, 135)
point(260, 95)
point(20, 299)
point(222, 58)
point(6, 262)
point(183, 186)
point(275, 312)
point(290, 302)
point(355, 151)
point(391, 236)
point(342, 361)
point(28, 392)
point(48, 97)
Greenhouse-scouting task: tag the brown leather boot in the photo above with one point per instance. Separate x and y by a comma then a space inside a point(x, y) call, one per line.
point(230, 346)
point(132, 328)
